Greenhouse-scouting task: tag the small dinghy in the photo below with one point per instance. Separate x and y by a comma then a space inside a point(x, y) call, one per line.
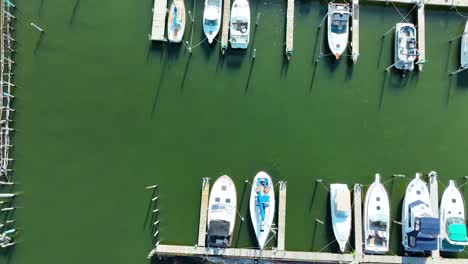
point(240, 24)
point(340, 204)
point(212, 18)
point(464, 48)
point(338, 28)
point(262, 206)
point(176, 21)
point(221, 212)
point(420, 227)
point(405, 46)
point(452, 220)
point(376, 219)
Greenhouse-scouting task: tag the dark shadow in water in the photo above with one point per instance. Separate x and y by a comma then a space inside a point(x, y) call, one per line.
point(74, 11)
point(382, 89)
point(156, 47)
point(240, 210)
point(8, 253)
point(379, 58)
point(284, 68)
point(184, 77)
point(312, 201)
point(312, 81)
point(148, 210)
point(304, 7)
point(249, 77)
point(38, 43)
point(234, 58)
point(173, 50)
point(208, 49)
point(349, 69)
point(159, 85)
point(314, 231)
point(449, 53)
point(316, 58)
point(221, 60)
point(39, 11)
point(462, 80)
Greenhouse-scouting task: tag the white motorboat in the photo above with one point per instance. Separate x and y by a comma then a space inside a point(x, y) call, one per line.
point(240, 24)
point(452, 220)
point(262, 206)
point(221, 212)
point(420, 227)
point(340, 204)
point(176, 21)
point(405, 46)
point(338, 28)
point(212, 18)
point(376, 218)
point(464, 48)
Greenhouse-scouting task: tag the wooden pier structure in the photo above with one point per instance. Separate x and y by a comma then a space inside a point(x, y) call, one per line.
point(205, 195)
point(158, 27)
point(355, 30)
point(434, 195)
point(225, 28)
point(358, 220)
point(280, 254)
point(289, 28)
point(282, 215)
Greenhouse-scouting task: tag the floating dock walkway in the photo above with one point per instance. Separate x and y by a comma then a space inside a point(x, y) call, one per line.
point(355, 30)
point(434, 195)
point(158, 28)
point(225, 29)
point(289, 29)
point(280, 254)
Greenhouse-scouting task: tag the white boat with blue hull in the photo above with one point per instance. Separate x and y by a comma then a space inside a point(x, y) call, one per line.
point(262, 207)
point(340, 204)
point(240, 24)
point(222, 208)
point(176, 21)
point(212, 18)
point(453, 237)
point(405, 46)
point(376, 218)
point(420, 227)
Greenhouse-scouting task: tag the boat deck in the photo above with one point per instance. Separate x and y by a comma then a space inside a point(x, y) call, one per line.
point(158, 27)
point(289, 28)
point(225, 28)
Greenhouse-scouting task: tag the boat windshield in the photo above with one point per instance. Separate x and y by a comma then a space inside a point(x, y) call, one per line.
point(211, 22)
point(339, 23)
point(240, 24)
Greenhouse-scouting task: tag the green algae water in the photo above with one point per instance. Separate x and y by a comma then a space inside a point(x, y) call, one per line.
point(102, 112)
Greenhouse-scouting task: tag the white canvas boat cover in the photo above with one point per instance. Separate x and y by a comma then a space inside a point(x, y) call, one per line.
point(343, 202)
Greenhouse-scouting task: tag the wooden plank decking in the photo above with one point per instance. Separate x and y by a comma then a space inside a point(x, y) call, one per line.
point(358, 220)
point(289, 28)
point(434, 193)
point(158, 27)
point(225, 29)
point(205, 193)
point(355, 31)
point(282, 215)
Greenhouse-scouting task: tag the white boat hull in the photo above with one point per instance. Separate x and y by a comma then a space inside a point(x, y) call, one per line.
point(262, 228)
point(176, 21)
point(376, 207)
point(239, 32)
point(338, 31)
point(222, 206)
point(341, 225)
point(212, 18)
point(464, 48)
point(452, 207)
point(405, 46)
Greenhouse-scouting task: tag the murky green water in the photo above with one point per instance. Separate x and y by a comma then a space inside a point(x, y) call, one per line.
point(102, 113)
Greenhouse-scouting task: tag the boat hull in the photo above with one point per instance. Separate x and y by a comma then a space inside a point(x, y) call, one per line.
point(262, 228)
point(338, 35)
point(405, 35)
point(212, 19)
point(376, 206)
point(341, 225)
point(239, 32)
point(464, 48)
point(222, 208)
point(452, 206)
point(176, 21)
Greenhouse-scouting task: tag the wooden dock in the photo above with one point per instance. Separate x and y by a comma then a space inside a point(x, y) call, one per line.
point(205, 194)
point(289, 29)
point(449, 3)
point(158, 27)
point(358, 220)
point(434, 193)
point(421, 36)
point(355, 31)
point(282, 215)
point(225, 29)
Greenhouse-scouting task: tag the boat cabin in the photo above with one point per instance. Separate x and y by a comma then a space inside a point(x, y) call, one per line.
point(455, 228)
point(423, 228)
point(342, 203)
point(218, 233)
point(240, 24)
point(378, 230)
point(339, 24)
